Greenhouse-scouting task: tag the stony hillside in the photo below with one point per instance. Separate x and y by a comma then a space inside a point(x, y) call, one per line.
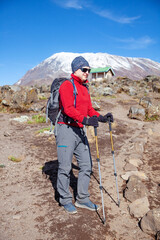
point(28, 166)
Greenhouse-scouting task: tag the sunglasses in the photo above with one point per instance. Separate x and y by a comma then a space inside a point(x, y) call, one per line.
point(85, 70)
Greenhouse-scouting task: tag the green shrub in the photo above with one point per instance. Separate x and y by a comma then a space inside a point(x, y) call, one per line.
point(2, 166)
point(15, 159)
point(37, 119)
point(152, 118)
point(43, 129)
point(42, 98)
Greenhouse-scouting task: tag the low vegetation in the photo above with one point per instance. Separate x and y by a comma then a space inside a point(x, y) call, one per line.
point(152, 118)
point(43, 130)
point(37, 119)
point(15, 159)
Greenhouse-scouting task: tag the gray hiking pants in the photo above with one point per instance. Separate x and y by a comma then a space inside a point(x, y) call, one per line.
point(72, 140)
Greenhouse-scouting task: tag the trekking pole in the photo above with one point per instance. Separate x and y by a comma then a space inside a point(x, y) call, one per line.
point(100, 184)
point(115, 173)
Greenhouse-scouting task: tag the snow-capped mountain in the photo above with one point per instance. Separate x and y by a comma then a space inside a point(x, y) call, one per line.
point(59, 65)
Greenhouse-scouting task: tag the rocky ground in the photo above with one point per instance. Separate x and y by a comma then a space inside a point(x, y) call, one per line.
point(28, 198)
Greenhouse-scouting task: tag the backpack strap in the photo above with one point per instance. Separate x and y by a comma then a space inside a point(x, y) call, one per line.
point(75, 92)
point(55, 130)
point(51, 97)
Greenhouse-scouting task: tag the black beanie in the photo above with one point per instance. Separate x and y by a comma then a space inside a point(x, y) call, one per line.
point(79, 62)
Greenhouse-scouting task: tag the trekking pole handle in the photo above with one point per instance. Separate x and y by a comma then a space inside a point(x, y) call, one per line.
point(110, 128)
point(95, 131)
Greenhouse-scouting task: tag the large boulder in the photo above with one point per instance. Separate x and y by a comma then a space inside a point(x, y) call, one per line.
point(18, 98)
point(150, 223)
point(134, 160)
point(130, 167)
point(124, 81)
point(107, 91)
point(44, 88)
point(156, 87)
point(145, 102)
point(137, 113)
point(158, 235)
point(153, 113)
point(150, 78)
point(31, 96)
point(139, 174)
point(135, 189)
point(130, 90)
point(156, 84)
point(103, 90)
point(138, 147)
point(139, 207)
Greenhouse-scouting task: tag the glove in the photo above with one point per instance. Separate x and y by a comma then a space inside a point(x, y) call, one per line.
point(92, 121)
point(106, 118)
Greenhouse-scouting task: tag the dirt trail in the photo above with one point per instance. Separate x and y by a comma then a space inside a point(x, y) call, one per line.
point(28, 199)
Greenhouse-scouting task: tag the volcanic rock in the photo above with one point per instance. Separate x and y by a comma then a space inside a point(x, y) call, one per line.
point(150, 223)
point(135, 189)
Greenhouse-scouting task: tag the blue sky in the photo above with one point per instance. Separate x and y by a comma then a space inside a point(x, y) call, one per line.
point(33, 30)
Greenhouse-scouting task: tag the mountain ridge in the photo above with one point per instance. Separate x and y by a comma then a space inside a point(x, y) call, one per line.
point(59, 65)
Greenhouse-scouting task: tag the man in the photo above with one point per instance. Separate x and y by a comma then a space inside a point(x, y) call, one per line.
point(71, 138)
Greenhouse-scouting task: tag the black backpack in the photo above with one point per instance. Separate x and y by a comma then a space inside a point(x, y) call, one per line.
point(52, 109)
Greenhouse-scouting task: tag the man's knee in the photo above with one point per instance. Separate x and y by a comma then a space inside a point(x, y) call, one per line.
point(87, 169)
point(65, 170)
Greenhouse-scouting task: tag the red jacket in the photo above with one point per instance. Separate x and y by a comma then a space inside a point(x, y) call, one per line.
point(83, 101)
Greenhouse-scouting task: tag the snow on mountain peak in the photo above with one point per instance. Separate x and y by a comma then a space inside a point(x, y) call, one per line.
point(59, 65)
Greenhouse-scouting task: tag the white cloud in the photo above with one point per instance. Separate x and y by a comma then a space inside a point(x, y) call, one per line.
point(120, 19)
point(132, 43)
point(69, 3)
point(73, 4)
point(80, 4)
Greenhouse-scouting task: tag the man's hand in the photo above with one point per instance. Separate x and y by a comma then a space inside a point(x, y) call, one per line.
point(106, 118)
point(92, 121)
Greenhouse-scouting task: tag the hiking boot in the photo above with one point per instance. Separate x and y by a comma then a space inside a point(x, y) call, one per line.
point(88, 205)
point(70, 208)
